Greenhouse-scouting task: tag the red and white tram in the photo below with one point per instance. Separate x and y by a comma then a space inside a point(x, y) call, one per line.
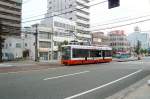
point(81, 54)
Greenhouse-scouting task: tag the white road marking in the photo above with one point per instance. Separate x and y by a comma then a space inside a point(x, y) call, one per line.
point(94, 89)
point(66, 75)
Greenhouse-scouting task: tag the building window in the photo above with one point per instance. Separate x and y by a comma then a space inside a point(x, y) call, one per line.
point(26, 44)
point(9, 44)
point(44, 35)
point(18, 45)
point(43, 44)
point(6, 45)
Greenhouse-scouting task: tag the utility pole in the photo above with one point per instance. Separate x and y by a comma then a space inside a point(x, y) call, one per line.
point(36, 42)
point(52, 42)
point(1, 41)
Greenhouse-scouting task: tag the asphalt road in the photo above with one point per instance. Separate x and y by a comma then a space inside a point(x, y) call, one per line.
point(95, 81)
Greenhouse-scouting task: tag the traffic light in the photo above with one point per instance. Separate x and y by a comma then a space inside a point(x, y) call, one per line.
point(113, 3)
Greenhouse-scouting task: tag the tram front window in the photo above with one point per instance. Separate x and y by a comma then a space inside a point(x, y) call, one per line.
point(66, 53)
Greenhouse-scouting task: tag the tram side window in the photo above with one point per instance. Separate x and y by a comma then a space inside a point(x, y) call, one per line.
point(108, 53)
point(95, 53)
point(79, 53)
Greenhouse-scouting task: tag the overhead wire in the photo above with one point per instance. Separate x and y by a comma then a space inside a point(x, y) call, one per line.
point(51, 12)
point(130, 19)
point(63, 13)
point(122, 25)
point(101, 24)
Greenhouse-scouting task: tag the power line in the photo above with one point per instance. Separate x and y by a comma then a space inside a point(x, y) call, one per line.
point(130, 19)
point(122, 25)
point(63, 13)
point(51, 12)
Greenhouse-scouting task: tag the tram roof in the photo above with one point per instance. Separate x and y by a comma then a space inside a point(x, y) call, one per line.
point(89, 47)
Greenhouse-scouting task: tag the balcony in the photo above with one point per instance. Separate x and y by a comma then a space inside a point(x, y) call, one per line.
point(83, 28)
point(83, 15)
point(12, 24)
point(82, 21)
point(82, 3)
point(10, 5)
point(10, 11)
point(83, 35)
point(9, 17)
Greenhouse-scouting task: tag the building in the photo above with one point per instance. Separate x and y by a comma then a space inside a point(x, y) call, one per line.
point(98, 38)
point(19, 47)
point(141, 36)
point(63, 30)
point(24, 46)
point(71, 10)
point(118, 41)
point(10, 16)
point(44, 42)
point(12, 48)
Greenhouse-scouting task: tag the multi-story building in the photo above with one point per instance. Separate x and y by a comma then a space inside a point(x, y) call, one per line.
point(75, 10)
point(141, 36)
point(12, 48)
point(24, 46)
point(98, 38)
point(44, 42)
point(63, 30)
point(118, 41)
point(10, 16)
point(20, 46)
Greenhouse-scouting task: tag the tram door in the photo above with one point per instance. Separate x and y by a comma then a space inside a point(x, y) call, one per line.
point(103, 54)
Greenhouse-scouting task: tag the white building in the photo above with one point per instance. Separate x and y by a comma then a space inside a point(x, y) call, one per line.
point(43, 42)
point(138, 35)
point(75, 10)
point(12, 48)
point(63, 30)
point(16, 47)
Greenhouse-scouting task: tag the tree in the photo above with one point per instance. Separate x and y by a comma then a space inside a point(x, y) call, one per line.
point(143, 51)
point(138, 48)
point(1, 42)
point(61, 44)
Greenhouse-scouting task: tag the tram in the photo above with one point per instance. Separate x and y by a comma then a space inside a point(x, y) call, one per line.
point(81, 54)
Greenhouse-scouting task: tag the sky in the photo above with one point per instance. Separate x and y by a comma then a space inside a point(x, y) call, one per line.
point(99, 14)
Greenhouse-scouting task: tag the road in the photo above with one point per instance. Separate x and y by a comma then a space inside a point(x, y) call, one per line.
point(94, 81)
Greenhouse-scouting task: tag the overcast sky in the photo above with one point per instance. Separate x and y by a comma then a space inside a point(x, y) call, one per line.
point(99, 14)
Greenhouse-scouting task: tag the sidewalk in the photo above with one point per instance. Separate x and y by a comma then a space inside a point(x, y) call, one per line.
point(125, 59)
point(139, 90)
point(141, 93)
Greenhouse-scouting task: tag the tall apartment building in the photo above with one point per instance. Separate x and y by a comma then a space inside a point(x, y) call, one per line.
point(75, 10)
point(10, 16)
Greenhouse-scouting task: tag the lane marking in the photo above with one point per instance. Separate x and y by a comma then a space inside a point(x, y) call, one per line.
point(94, 89)
point(66, 75)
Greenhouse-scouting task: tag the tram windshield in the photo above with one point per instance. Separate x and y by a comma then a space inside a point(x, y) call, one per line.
point(66, 51)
